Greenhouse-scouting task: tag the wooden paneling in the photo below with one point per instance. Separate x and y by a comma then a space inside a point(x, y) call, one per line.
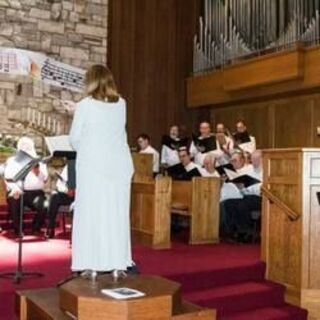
point(279, 123)
point(265, 70)
point(291, 224)
point(150, 54)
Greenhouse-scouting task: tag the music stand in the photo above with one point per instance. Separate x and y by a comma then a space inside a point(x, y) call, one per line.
point(23, 165)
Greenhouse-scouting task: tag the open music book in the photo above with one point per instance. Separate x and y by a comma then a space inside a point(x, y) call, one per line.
point(59, 146)
point(123, 293)
point(244, 179)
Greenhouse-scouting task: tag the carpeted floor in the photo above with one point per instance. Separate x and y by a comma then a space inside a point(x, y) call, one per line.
point(224, 276)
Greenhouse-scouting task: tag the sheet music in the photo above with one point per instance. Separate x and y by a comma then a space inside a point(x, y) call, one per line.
point(57, 73)
point(38, 66)
point(58, 144)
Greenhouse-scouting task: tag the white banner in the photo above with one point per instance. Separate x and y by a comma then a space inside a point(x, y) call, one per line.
point(40, 67)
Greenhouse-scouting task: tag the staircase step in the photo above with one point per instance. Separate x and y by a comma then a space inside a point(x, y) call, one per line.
point(239, 297)
point(226, 276)
point(285, 312)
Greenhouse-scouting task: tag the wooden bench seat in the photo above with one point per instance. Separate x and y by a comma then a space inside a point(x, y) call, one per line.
point(199, 200)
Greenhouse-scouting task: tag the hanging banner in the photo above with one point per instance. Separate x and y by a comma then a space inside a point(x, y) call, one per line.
point(40, 67)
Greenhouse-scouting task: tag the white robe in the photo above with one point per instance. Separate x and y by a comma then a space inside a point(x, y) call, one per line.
point(104, 168)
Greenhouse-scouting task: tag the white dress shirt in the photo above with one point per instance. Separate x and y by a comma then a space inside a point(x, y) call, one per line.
point(169, 156)
point(249, 147)
point(230, 191)
point(191, 165)
point(156, 157)
point(32, 181)
point(254, 189)
point(199, 156)
point(61, 185)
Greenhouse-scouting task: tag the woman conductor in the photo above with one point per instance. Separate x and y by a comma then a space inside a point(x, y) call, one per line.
point(101, 229)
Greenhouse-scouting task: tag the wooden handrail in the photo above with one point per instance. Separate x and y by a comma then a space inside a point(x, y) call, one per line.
point(293, 216)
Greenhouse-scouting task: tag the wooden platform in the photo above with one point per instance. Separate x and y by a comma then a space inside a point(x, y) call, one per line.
point(81, 299)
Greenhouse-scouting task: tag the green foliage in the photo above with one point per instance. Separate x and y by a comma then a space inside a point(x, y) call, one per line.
point(5, 149)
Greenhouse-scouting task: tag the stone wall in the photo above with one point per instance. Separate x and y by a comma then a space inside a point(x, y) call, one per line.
point(71, 31)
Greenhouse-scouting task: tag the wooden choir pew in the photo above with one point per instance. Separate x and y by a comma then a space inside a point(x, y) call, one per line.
point(150, 212)
point(199, 200)
point(154, 200)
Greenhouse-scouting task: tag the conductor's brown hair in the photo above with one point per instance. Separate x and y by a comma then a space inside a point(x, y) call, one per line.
point(100, 84)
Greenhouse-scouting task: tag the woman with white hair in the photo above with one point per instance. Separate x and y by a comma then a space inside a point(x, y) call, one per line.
point(32, 190)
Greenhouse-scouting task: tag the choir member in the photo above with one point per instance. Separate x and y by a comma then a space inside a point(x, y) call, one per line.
point(203, 144)
point(170, 145)
point(229, 190)
point(238, 211)
point(33, 189)
point(63, 196)
point(186, 169)
point(209, 167)
point(101, 223)
point(144, 144)
point(224, 143)
point(243, 140)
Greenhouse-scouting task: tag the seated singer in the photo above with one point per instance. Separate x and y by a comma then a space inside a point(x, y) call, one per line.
point(34, 196)
point(63, 196)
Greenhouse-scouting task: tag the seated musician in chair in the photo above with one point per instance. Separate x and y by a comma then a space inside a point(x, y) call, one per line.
point(63, 196)
point(34, 196)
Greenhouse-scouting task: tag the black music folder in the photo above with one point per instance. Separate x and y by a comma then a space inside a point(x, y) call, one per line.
point(178, 172)
point(244, 179)
point(242, 137)
point(174, 144)
point(205, 145)
point(222, 169)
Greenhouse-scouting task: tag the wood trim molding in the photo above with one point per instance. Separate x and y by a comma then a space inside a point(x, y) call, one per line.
point(292, 215)
point(282, 74)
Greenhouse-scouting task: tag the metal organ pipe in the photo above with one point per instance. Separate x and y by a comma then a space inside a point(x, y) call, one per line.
point(233, 29)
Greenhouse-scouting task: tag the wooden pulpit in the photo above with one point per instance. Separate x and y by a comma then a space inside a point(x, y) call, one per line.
point(291, 224)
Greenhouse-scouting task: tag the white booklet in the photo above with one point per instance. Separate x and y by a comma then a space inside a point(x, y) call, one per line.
point(58, 145)
point(123, 293)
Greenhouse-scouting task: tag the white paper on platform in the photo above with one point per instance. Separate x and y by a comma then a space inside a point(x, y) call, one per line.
point(123, 293)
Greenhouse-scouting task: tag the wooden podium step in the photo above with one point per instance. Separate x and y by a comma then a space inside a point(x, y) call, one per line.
point(76, 300)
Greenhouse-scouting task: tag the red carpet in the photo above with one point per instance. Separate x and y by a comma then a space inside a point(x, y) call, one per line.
point(227, 277)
